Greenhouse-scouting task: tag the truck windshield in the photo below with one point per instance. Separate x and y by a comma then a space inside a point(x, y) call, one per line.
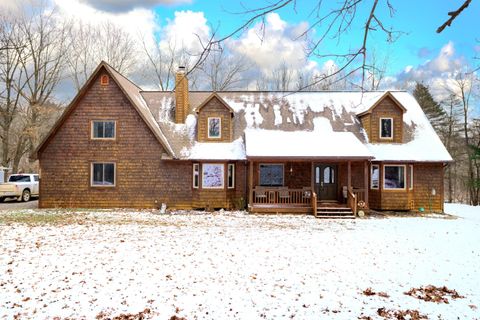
point(19, 179)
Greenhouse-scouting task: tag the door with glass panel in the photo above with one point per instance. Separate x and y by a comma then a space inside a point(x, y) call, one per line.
point(325, 181)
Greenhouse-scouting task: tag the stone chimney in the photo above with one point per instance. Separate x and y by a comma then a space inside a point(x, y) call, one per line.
point(181, 96)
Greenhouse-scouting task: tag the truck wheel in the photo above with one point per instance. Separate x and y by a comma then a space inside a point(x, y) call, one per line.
point(26, 195)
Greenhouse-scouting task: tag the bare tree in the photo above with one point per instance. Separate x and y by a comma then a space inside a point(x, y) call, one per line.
point(463, 91)
point(90, 44)
point(10, 72)
point(224, 71)
point(81, 59)
point(281, 78)
point(376, 72)
point(162, 60)
point(116, 47)
point(42, 46)
point(450, 135)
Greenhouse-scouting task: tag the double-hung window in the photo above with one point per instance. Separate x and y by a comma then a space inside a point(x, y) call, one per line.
point(374, 176)
point(196, 175)
point(411, 177)
point(231, 176)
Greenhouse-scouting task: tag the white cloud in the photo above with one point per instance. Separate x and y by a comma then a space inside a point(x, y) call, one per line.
point(442, 62)
point(439, 73)
point(186, 31)
point(273, 44)
point(128, 5)
point(133, 22)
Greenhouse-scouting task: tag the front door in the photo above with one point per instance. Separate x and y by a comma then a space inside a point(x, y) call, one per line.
point(325, 181)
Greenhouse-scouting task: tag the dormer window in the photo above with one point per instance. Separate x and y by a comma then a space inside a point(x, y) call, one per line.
point(386, 128)
point(214, 128)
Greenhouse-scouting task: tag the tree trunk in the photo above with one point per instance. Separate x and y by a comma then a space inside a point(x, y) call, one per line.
point(19, 152)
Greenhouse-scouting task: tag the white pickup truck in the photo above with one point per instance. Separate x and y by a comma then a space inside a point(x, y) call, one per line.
point(20, 186)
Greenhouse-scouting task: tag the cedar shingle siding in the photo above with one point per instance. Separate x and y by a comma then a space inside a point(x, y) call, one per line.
point(65, 161)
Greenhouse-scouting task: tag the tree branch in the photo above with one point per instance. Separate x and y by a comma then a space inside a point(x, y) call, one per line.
point(453, 15)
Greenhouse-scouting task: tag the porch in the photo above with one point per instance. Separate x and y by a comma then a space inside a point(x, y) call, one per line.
point(319, 187)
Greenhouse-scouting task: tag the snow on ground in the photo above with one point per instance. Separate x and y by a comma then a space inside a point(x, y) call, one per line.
point(233, 265)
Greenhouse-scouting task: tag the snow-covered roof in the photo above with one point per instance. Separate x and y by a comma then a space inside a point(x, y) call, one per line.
point(215, 151)
point(293, 116)
point(300, 144)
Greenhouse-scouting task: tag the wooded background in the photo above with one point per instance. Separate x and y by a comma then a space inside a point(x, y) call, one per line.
point(42, 56)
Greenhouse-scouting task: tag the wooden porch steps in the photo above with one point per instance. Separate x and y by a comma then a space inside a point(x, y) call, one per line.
point(337, 212)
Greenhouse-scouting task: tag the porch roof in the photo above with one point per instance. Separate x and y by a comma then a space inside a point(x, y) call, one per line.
point(304, 145)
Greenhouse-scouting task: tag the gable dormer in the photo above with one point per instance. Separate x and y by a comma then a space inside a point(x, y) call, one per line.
point(214, 123)
point(383, 121)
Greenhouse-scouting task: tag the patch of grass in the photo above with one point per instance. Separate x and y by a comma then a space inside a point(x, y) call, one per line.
point(37, 217)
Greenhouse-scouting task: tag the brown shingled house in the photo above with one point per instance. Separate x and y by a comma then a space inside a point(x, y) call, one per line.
point(326, 153)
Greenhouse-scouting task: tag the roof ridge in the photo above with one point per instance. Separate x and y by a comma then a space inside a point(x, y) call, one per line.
point(276, 91)
point(121, 75)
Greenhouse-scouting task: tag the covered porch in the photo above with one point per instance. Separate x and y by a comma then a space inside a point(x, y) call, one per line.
point(306, 187)
point(307, 172)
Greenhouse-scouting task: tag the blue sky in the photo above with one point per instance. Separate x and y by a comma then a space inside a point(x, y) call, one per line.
point(418, 20)
point(419, 54)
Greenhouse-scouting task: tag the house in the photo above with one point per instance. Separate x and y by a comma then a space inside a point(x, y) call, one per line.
point(119, 146)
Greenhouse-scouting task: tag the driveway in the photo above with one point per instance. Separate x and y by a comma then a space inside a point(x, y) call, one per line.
point(15, 205)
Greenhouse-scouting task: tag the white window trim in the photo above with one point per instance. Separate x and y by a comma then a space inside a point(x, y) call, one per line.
point(223, 173)
point(231, 165)
point(380, 129)
point(219, 128)
point(274, 164)
point(196, 172)
point(103, 120)
point(404, 177)
point(103, 185)
point(371, 174)
point(410, 185)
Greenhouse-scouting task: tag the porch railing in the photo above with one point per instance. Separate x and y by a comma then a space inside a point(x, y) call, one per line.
point(360, 193)
point(282, 196)
point(352, 201)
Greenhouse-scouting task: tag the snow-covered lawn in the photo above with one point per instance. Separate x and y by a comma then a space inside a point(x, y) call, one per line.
point(233, 265)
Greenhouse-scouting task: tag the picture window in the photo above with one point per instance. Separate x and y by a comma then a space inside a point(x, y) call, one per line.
point(271, 175)
point(394, 177)
point(213, 176)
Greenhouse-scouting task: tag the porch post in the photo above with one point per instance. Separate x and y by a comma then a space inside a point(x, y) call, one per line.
point(250, 185)
point(365, 170)
point(313, 178)
point(349, 177)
